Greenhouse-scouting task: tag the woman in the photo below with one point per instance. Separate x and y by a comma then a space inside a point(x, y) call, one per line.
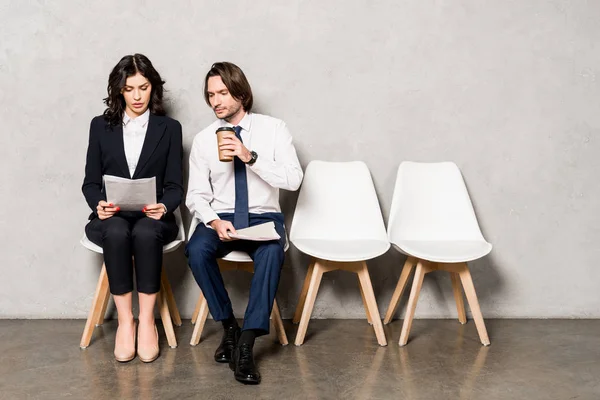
point(134, 139)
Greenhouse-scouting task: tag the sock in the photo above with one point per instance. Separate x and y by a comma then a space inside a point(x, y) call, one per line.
point(229, 322)
point(248, 336)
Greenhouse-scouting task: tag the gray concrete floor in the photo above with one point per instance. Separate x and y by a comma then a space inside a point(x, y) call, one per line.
point(528, 359)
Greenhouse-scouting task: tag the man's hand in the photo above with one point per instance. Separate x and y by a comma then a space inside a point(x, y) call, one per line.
point(155, 211)
point(223, 228)
point(232, 146)
point(106, 210)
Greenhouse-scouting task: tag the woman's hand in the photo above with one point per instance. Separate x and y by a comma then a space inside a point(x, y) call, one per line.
point(155, 211)
point(106, 210)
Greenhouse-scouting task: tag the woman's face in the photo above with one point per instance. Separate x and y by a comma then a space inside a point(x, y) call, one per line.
point(136, 92)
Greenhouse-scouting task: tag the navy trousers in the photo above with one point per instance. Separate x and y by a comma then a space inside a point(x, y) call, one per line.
point(205, 247)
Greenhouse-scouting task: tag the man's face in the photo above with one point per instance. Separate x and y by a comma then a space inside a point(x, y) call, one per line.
point(222, 102)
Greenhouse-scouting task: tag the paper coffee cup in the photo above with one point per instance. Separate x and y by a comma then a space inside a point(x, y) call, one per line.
point(220, 132)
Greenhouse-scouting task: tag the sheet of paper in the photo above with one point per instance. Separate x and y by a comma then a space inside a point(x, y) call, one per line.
point(130, 194)
point(259, 233)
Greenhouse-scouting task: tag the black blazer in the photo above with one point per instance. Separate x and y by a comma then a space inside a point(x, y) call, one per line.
point(161, 156)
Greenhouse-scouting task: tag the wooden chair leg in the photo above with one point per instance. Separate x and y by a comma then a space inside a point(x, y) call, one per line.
point(104, 297)
point(367, 287)
point(362, 294)
point(311, 296)
point(201, 316)
point(412, 303)
point(406, 270)
point(95, 310)
point(467, 282)
point(197, 308)
point(165, 316)
point(170, 298)
point(102, 314)
point(458, 297)
point(278, 323)
point(303, 292)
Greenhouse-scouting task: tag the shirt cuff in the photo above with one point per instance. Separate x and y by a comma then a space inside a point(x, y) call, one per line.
point(207, 216)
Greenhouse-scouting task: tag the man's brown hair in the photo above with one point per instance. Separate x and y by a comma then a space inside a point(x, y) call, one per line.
point(235, 80)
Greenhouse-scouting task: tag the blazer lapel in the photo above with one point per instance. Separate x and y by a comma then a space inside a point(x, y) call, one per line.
point(119, 148)
point(155, 132)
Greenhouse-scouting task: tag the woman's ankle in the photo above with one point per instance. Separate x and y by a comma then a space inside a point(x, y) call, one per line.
point(146, 319)
point(126, 320)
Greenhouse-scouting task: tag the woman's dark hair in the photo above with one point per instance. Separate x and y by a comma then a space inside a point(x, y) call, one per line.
point(129, 66)
point(234, 79)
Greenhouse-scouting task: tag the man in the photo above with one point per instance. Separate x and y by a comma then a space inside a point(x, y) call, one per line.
point(226, 196)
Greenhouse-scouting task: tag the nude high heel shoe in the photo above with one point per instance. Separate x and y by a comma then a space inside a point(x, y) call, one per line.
point(148, 353)
point(125, 352)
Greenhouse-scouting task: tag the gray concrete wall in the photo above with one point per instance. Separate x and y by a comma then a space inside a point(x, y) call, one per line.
point(506, 89)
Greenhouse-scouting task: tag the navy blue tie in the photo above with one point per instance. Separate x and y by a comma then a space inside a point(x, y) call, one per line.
point(240, 215)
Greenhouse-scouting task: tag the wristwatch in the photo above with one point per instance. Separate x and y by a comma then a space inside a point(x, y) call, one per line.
point(253, 158)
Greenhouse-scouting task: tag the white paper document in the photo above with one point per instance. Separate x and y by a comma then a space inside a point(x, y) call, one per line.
point(259, 233)
point(130, 194)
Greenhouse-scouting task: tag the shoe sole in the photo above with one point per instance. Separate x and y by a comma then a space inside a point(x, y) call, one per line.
point(148, 360)
point(124, 360)
point(247, 382)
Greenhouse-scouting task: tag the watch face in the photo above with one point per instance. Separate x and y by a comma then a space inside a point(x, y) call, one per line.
point(254, 157)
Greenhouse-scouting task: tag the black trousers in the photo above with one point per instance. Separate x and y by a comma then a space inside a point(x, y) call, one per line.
point(140, 237)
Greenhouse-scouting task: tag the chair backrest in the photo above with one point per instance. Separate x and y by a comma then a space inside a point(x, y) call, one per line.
point(179, 220)
point(337, 201)
point(431, 202)
point(169, 247)
point(193, 226)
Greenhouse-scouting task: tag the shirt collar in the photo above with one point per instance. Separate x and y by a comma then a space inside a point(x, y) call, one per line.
point(245, 123)
point(142, 120)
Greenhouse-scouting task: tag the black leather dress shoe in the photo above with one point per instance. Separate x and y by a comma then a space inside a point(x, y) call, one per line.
point(228, 343)
point(242, 365)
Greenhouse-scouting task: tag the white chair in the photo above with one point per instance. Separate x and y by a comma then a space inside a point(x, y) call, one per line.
point(166, 301)
point(338, 222)
point(432, 221)
point(236, 260)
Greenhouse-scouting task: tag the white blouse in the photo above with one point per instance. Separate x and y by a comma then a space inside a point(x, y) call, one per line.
point(134, 133)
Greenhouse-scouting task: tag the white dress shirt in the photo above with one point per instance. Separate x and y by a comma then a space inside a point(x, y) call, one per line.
point(211, 186)
point(134, 133)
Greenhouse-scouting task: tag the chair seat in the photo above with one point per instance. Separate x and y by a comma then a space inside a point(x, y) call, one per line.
point(242, 256)
point(445, 251)
point(237, 256)
point(342, 250)
point(88, 244)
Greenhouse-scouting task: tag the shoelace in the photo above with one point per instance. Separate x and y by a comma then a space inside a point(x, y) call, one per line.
point(229, 338)
point(245, 354)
